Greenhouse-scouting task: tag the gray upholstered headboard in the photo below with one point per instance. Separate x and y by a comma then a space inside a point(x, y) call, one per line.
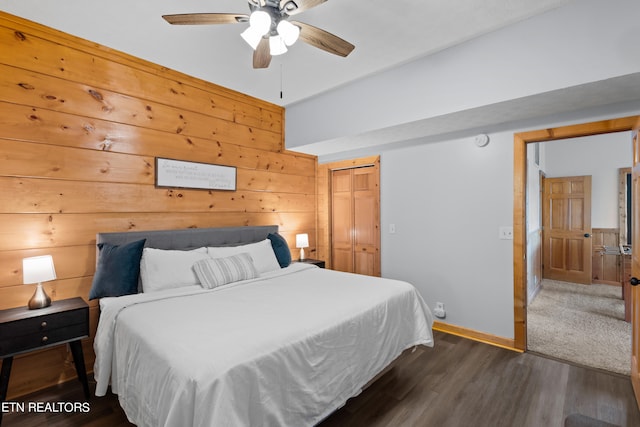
point(191, 238)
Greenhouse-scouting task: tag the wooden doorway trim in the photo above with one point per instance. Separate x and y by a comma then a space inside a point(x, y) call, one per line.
point(520, 141)
point(324, 200)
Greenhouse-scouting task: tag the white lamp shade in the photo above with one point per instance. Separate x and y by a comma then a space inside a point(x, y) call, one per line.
point(260, 21)
point(38, 269)
point(252, 37)
point(288, 32)
point(302, 240)
point(277, 46)
point(259, 25)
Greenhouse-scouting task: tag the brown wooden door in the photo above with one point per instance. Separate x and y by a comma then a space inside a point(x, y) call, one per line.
point(366, 211)
point(356, 220)
point(635, 264)
point(342, 221)
point(566, 217)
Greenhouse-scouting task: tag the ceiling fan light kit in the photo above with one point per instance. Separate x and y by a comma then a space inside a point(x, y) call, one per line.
point(252, 37)
point(276, 45)
point(270, 31)
point(262, 24)
point(261, 21)
point(288, 32)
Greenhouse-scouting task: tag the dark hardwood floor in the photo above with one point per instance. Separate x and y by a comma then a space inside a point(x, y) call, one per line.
point(457, 383)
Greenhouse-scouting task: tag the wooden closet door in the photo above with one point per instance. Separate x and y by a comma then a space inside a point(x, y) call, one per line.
point(355, 220)
point(342, 221)
point(366, 212)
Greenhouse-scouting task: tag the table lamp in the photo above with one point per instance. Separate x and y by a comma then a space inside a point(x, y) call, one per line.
point(302, 241)
point(38, 269)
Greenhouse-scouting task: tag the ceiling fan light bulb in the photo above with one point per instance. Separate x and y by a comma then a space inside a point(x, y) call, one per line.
point(288, 32)
point(252, 37)
point(276, 46)
point(260, 21)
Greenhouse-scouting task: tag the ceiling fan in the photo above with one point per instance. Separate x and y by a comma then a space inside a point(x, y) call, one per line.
point(270, 31)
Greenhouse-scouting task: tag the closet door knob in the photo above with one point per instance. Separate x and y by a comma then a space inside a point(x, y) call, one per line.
point(634, 281)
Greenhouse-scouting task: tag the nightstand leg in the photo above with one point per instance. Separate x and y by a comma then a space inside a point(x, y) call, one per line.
point(4, 379)
point(78, 361)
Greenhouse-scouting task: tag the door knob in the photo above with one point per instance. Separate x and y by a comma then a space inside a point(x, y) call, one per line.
point(587, 235)
point(634, 281)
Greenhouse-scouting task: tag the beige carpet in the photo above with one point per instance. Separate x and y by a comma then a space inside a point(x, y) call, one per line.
point(583, 324)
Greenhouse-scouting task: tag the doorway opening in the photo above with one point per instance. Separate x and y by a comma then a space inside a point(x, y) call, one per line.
point(521, 141)
point(575, 305)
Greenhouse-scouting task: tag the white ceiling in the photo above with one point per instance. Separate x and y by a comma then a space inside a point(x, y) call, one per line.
point(386, 33)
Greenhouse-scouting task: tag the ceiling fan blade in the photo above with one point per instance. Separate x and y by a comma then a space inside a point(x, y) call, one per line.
point(323, 40)
point(205, 18)
point(262, 54)
point(293, 7)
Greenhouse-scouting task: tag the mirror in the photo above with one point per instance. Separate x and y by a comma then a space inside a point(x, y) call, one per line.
point(624, 205)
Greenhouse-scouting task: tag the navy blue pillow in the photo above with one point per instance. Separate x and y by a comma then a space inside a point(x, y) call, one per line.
point(281, 249)
point(118, 270)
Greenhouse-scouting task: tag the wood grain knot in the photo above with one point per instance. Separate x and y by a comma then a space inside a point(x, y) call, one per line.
point(96, 95)
point(20, 36)
point(26, 86)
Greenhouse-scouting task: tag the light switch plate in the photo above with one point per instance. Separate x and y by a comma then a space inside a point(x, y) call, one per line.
point(505, 232)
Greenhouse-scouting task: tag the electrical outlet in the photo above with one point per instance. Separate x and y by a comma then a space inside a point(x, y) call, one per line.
point(439, 310)
point(505, 232)
point(392, 229)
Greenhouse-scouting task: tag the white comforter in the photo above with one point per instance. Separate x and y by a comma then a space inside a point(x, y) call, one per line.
point(286, 349)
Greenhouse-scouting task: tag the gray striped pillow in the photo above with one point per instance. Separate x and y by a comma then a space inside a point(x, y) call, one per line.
point(214, 272)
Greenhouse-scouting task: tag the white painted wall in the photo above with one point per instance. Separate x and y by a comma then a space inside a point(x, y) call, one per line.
point(599, 156)
point(585, 41)
point(534, 217)
point(534, 205)
point(447, 200)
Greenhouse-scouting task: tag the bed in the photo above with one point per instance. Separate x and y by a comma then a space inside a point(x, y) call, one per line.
point(282, 346)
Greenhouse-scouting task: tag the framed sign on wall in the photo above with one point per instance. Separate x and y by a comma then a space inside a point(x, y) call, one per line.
point(204, 176)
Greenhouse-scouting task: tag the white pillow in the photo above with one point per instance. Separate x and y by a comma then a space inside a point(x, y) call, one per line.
point(214, 272)
point(261, 253)
point(165, 269)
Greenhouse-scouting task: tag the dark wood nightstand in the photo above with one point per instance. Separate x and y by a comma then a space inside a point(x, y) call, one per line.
point(317, 262)
point(23, 330)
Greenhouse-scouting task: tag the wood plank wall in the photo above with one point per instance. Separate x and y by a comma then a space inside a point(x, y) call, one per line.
point(80, 126)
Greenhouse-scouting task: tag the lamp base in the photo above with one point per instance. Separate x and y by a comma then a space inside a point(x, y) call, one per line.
point(301, 253)
point(40, 299)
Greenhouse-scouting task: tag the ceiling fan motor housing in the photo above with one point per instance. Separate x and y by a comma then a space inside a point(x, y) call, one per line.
point(283, 7)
